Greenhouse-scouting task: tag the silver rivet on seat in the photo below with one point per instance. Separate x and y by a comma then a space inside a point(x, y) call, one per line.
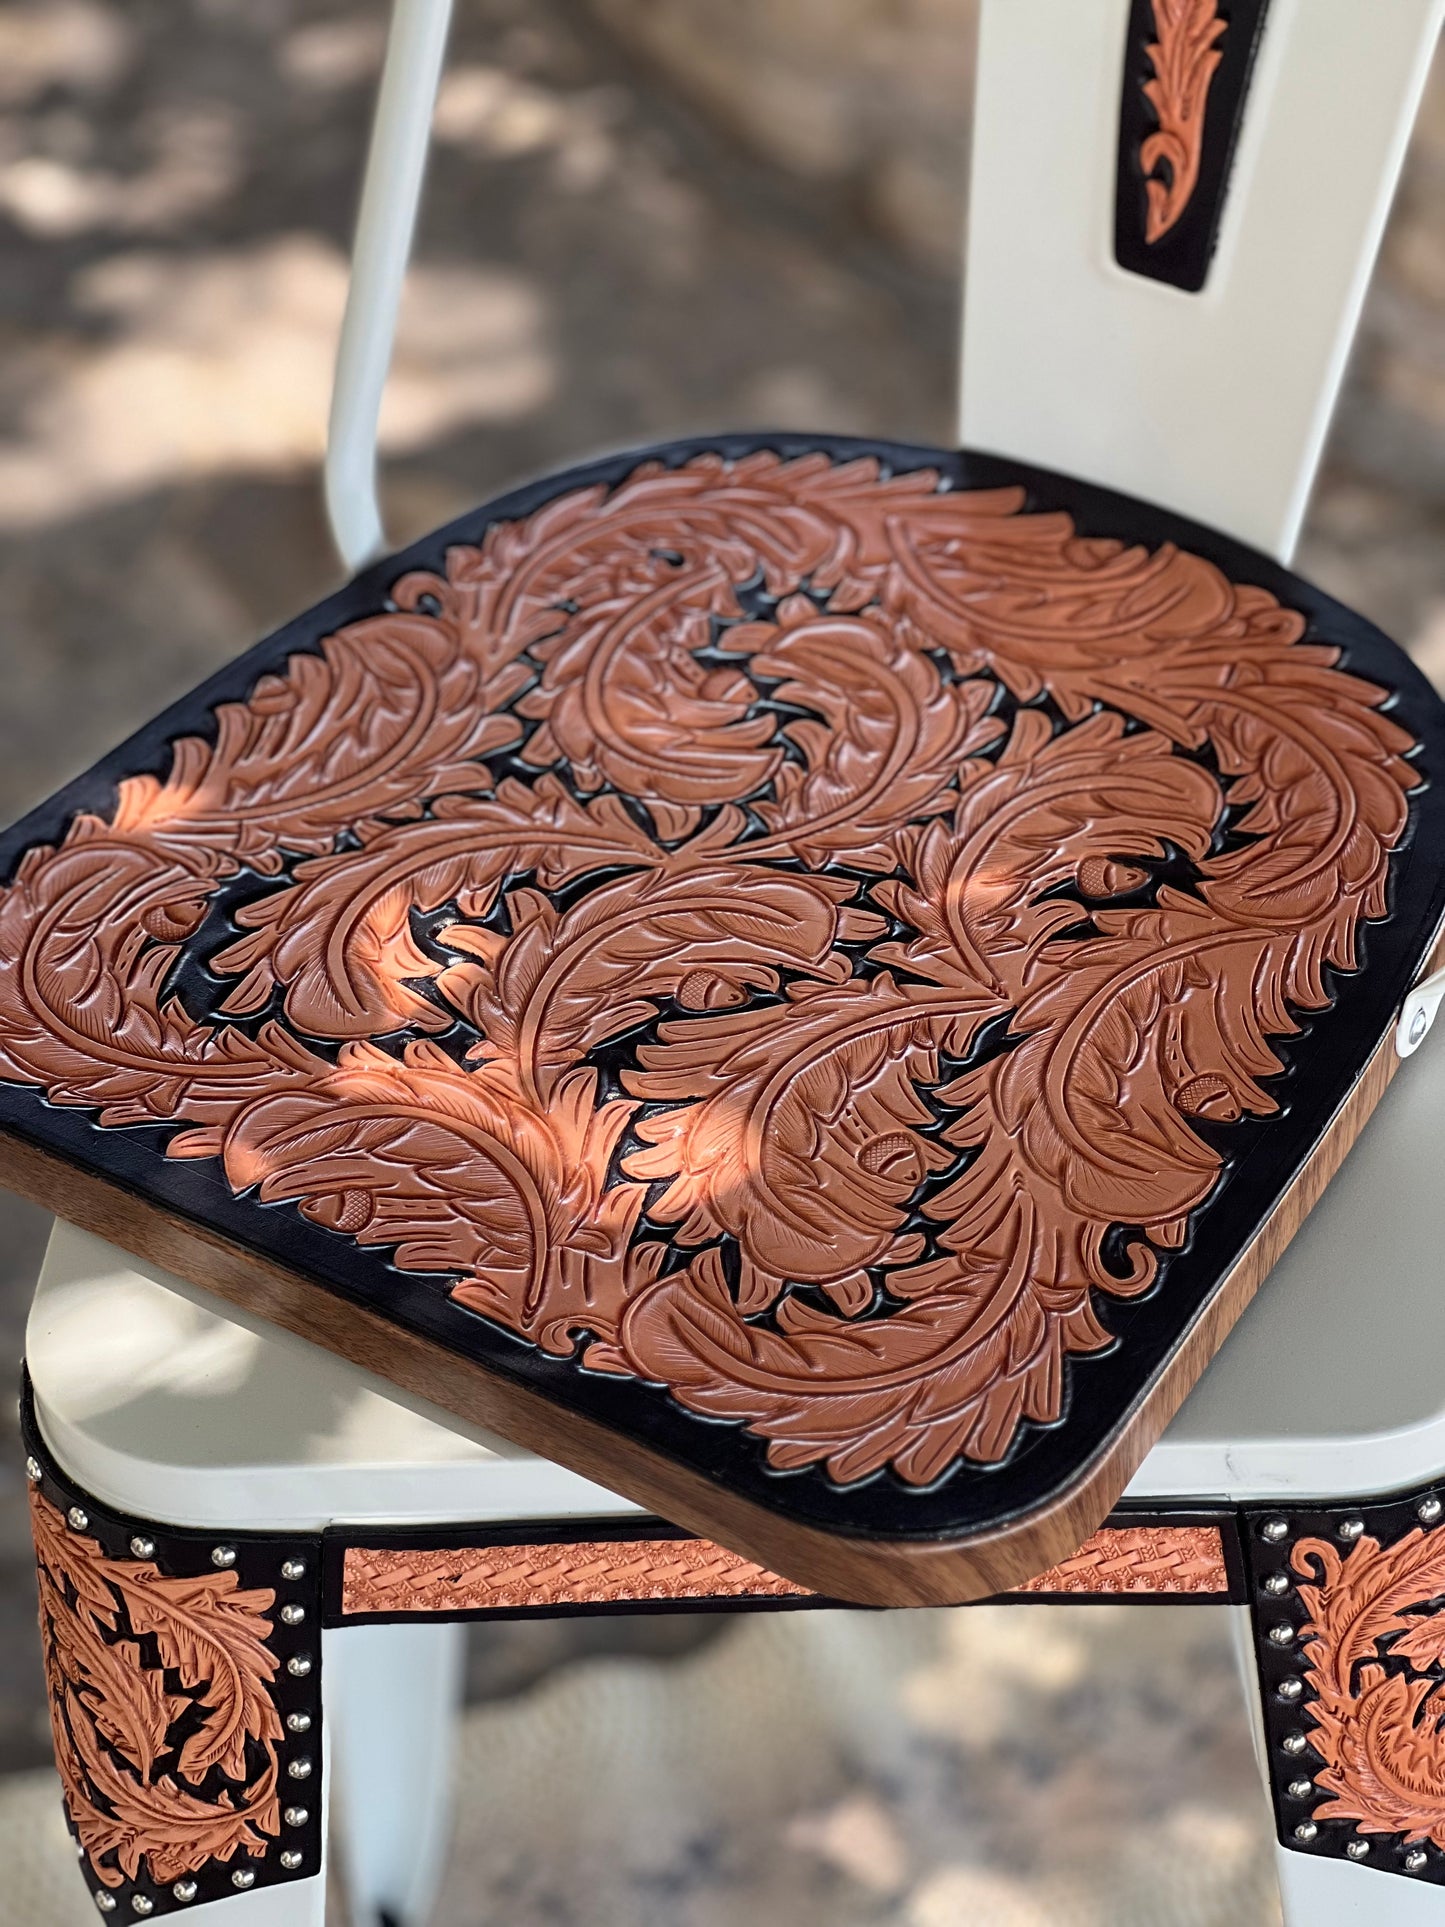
point(1416, 1860)
point(300, 1769)
point(185, 1890)
point(1306, 1830)
point(1277, 1583)
point(33, 1471)
point(78, 1517)
point(224, 1557)
point(1274, 1530)
point(299, 1665)
point(298, 1722)
point(296, 1816)
point(293, 1615)
point(1293, 1742)
point(293, 1568)
point(243, 1878)
point(142, 1548)
point(1357, 1849)
point(291, 1860)
point(1290, 1689)
point(1282, 1634)
point(1350, 1529)
point(1428, 1510)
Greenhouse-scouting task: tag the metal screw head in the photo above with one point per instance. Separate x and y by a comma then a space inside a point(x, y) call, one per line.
point(291, 1860)
point(1293, 1742)
point(1349, 1529)
point(1301, 1789)
point(296, 1816)
point(185, 1890)
point(1415, 1860)
point(298, 1722)
point(106, 1903)
point(293, 1615)
point(143, 1548)
point(1306, 1830)
point(1274, 1530)
point(243, 1878)
point(298, 1666)
point(1429, 1510)
point(1357, 1849)
point(225, 1558)
point(300, 1769)
point(1290, 1689)
point(1282, 1634)
point(142, 1904)
point(1419, 1024)
point(1277, 1583)
point(78, 1517)
point(293, 1568)
point(33, 1470)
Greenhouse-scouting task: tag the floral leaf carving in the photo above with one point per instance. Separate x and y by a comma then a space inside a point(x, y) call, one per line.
point(341, 939)
point(705, 936)
point(1185, 56)
point(767, 936)
point(1376, 1728)
point(138, 1778)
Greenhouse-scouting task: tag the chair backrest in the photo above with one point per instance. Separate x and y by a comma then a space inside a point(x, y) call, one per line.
point(1214, 403)
point(1284, 122)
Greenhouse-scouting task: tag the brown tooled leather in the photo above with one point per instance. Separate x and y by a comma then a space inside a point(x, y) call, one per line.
point(145, 1780)
point(717, 1131)
point(1375, 1645)
point(595, 1572)
point(1184, 54)
point(1152, 1559)
point(583, 1572)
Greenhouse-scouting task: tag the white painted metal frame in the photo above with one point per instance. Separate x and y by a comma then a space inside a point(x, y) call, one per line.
point(168, 1404)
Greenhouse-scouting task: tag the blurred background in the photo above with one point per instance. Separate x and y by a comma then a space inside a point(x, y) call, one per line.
point(643, 218)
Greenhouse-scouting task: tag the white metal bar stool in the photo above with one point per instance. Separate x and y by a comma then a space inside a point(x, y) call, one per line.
point(256, 1478)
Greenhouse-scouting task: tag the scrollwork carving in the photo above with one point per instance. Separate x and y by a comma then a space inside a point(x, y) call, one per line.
point(810, 912)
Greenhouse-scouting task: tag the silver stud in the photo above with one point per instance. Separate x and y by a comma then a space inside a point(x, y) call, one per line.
point(1277, 1583)
point(1415, 1860)
point(1274, 1530)
point(106, 1903)
point(243, 1878)
point(291, 1860)
point(1429, 1510)
point(1290, 1689)
point(143, 1548)
point(1349, 1529)
point(1357, 1849)
point(300, 1769)
point(1419, 1024)
point(78, 1518)
point(1282, 1634)
point(142, 1904)
point(1293, 1742)
point(296, 1816)
point(293, 1615)
point(1301, 1789)
point(225, 1558)
point(298, 1666)
point(298, 1722)
point(1306, 1830)
point(33, 1471)
point(185, 1890)
point(293, 1568)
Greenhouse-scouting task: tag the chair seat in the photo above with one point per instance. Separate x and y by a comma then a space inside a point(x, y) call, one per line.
point(165, 1402)
point(808, 978)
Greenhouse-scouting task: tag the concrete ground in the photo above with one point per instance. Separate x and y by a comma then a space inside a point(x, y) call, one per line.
point(598, 265)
